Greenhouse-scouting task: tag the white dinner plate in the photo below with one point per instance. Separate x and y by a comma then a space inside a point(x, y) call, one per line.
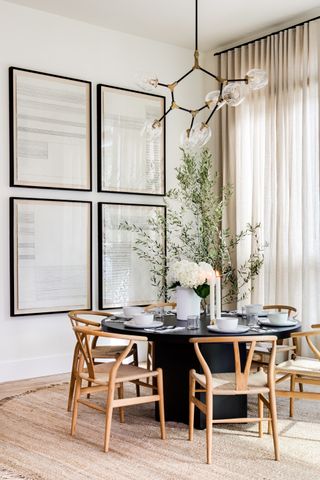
point(286, 323)
point(239, 329)
point(154, 324)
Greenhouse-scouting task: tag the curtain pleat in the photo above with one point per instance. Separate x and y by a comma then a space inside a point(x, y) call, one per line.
point(269, 146)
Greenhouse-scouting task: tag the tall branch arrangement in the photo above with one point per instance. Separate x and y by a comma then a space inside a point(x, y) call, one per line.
point(193, 229)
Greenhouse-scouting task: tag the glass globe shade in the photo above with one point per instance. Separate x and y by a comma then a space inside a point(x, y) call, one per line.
point(212, 98)
point(186, 140)
point(198, 136)
point(233, 93)
point(147, 81)
point(257, 79)
point(201, 134)
point(152, 129)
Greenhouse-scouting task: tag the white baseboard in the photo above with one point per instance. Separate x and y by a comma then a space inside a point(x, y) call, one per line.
point(34, 367)
point(23, 368)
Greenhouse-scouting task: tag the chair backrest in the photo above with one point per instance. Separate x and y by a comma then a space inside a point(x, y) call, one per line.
point(241, 371)
point(84, 338)
point(160, 305)
point(292, 311)
point(309, 337)
point(77, 319)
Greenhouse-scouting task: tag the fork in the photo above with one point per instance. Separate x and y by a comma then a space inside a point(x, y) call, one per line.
point(156, 329)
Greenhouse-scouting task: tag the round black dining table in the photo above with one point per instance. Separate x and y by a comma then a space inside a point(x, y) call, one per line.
point(176, 356)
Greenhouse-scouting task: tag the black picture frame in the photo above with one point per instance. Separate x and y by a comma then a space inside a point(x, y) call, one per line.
point(14, 163)
point(101, 303)
point(15, 309)
point(100, 126)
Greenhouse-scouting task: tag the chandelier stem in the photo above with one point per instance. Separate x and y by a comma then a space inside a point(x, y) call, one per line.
point(196, 26)
point(165, 113)
point(211, 74)
point(216, 107)
point(185, 110)
point(238, 80)
point(203, 107)
point(184, 76)
point(211, 115)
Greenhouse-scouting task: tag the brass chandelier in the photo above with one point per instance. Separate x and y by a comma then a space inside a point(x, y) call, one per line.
point(229, 92)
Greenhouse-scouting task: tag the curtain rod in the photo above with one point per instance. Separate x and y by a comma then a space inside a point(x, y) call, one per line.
point(266, 36)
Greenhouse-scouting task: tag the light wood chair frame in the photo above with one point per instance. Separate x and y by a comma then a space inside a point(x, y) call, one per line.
point(241, 384)
point(86, 364)
point(262, 358)
point(292, 311)
point(297, 377)
point(76, 319)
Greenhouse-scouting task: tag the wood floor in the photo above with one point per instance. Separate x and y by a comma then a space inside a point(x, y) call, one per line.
point(9, 389)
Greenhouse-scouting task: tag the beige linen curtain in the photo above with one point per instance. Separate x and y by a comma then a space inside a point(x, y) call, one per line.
point(269, 148)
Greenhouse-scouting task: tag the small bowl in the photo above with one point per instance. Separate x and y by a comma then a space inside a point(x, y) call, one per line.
point(130, 311)
point(227, 324)
point(142, 319)
point(278, 318)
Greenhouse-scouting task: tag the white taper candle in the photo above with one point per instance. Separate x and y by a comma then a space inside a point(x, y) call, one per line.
point(218, 294)
point(212, 296)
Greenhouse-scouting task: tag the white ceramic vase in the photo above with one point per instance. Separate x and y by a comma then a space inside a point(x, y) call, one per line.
point(188, 303)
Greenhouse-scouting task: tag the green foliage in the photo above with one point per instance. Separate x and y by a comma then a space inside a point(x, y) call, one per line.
point(193, 229)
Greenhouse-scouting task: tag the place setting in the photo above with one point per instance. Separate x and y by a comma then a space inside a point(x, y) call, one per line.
point(143, 320)
point(279, 319)
point(253, 318)
point(125, 315)
point(228, 325)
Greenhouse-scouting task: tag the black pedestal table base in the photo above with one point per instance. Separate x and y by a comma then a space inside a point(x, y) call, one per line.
point(176, 360)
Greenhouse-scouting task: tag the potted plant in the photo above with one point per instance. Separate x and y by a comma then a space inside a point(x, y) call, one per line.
point(194, 231)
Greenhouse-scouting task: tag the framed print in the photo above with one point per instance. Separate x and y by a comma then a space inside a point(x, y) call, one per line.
point(50, 131)
point(124, 278)
point(128, 160)
point(50, 252)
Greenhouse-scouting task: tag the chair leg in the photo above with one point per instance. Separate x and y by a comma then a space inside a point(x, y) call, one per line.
point(73, 377)
point(121, 409)
point(192, 385)
point(75, 406)
point(273, 414)
point(150, 358)
point(161, 403)
point(301, 387)
point(136, 363)
point(109, 410)
point(209, 405)
point(89, 385)
point(292, 389)
point(71, 391)
point(260, 415)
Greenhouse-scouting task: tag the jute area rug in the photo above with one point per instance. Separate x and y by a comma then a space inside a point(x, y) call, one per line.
point(35, 444)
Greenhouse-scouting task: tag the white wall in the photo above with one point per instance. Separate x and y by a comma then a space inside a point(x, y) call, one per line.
point(40, 345)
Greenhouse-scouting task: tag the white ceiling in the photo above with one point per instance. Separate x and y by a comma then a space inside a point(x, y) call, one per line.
point(172, 21)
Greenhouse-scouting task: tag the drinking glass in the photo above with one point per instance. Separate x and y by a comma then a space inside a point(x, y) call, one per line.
point(252, 320)
point(193, 322)
point(159, 313)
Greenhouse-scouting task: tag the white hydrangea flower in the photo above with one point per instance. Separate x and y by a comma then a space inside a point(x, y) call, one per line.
point(189, 274)
point(207, 272)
